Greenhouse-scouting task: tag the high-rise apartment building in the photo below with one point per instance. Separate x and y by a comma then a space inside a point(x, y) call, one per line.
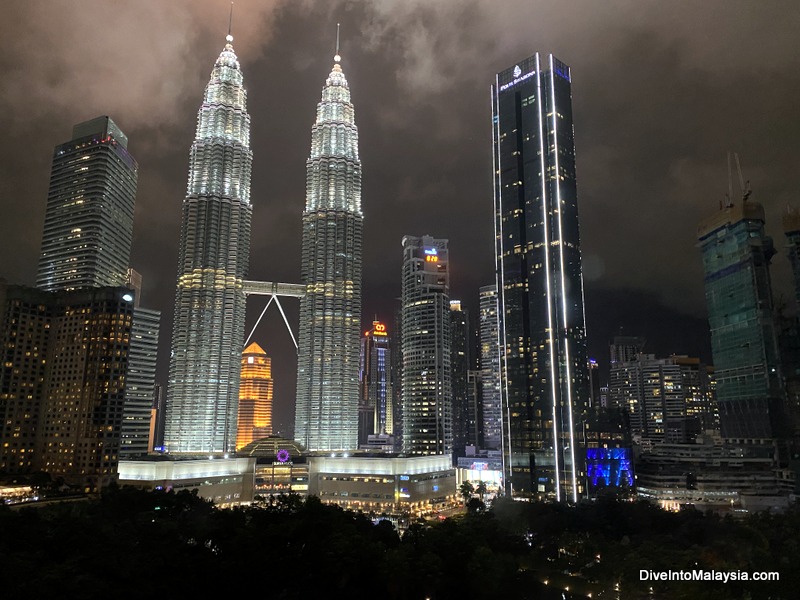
point(492, 408)
point(62, 382)
point(208, 328)
point(460, 359)
point(744, 342)
point(140, 382)
point(667, 399)
point(255, 396)
point(544, 379)
point(326, 410)
point(426, 338)
point(88, 226)
point(377, 398)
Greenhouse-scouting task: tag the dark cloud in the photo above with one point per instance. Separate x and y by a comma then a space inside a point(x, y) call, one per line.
point(661, 91)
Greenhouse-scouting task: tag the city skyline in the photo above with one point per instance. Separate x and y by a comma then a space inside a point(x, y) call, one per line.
point(411, 190)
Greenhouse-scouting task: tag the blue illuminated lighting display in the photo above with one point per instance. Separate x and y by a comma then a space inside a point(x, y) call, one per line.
point(563, 72)
point(431, 251)
point(609, 467)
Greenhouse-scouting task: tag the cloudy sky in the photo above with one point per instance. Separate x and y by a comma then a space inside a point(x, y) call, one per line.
point(661, 91)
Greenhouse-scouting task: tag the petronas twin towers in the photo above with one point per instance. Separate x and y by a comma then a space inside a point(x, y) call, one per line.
point(208, 330)
point(326, 410)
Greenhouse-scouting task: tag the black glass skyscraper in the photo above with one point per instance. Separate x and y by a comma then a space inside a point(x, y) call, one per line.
point(544, 379)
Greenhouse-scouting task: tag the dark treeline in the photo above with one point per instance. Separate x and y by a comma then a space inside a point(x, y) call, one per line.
point(133, 543)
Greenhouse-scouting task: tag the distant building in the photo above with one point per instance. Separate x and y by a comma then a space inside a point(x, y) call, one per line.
point(713, 476)
point(744, 341)
point(88, 225)
point(255, 396)
point(474, 408)
point(426, 339)
point(545, 384)
point(140, 382)
point(377, 398)
point(460, 360)
point(625, 348)
point(491, 408)
point(667, 399)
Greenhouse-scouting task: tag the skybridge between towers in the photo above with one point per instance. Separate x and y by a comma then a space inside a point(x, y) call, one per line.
point(274, 290)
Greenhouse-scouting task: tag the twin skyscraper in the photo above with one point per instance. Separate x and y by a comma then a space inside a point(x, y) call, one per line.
point(208, 329)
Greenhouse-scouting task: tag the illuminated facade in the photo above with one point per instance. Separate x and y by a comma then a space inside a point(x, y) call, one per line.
point(62, 382)
point(255, 396)
point(140, 382)
point(426, 346)
point(208, 328)
point(609, 468)
point(376, 381)
point(384, 485)
point(88, 226)
point(744, 341)
point(326, 410)
point(544, 367)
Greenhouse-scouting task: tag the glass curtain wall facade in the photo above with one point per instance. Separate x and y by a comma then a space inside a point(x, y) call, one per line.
point(88, 225)
point(544, 379)
point(376, 378)
point(426, 346)
point(208, 329)
point(744, 342)
point(140, 382)
point(326, 409)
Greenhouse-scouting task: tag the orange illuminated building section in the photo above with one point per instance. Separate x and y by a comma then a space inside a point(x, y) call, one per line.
point(378, 329)
point(255, 396)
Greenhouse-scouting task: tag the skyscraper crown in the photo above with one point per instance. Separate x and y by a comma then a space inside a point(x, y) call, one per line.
point(334, 169)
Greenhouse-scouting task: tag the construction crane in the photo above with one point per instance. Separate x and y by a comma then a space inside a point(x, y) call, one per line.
point(744, 186)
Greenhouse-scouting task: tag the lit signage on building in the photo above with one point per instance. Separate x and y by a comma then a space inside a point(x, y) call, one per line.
point(430, 258)
point(505, 86)
point(379, 329)
point(431, 251)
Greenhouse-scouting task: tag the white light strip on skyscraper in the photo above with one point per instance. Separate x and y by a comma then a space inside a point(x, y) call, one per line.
point(551, 342)
point(501, 332)
point(554, 108)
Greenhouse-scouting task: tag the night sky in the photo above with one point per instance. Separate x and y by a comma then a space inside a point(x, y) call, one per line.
point(661, 91)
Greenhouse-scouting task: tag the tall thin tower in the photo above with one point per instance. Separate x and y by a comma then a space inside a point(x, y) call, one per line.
point(326, 416)
point(543, 362)
point(427, 347)
point(208, 330)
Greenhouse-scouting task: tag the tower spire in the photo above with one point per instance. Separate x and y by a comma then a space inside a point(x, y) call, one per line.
point(337, 58)
point(229, 37)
